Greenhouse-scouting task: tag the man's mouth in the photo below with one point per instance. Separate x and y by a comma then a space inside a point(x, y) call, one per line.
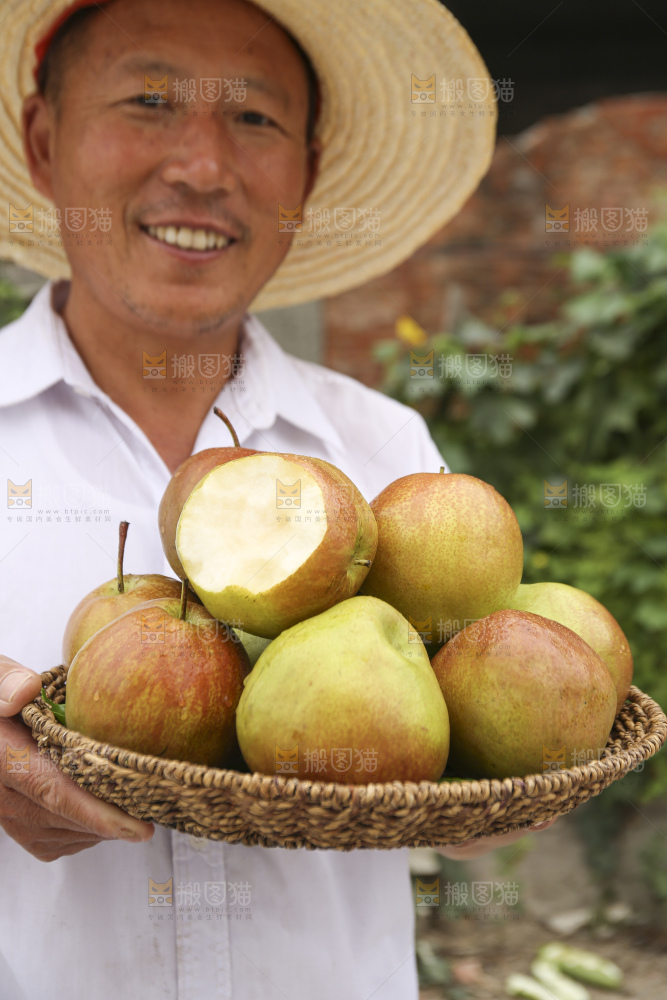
point(187, 238)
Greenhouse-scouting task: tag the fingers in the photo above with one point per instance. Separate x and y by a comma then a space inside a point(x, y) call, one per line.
point(44, 785)
point(18, 686)
point(44, 840)
point(479, 846)
point(58, 794)
point(543, 826)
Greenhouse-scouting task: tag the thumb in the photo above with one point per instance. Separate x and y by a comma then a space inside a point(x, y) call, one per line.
point(18, 686)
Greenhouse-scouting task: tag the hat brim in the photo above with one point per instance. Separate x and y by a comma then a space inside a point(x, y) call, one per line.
point(404, 168)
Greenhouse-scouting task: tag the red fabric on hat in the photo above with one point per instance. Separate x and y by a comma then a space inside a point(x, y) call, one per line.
point(44, 42)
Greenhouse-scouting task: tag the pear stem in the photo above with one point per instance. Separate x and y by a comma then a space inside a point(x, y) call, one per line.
point(184, 599)
point(362, 562)
point(122, 535)
point(218, 412)
point(442, 468)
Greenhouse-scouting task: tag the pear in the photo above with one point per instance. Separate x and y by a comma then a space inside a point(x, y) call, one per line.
point(271, 539)
point(580, 612)
point(524, 694)
point(354, 691)
point(112, 599)
point(449, 551)
point(163, 679)
point(254, 645)
point(182, 483)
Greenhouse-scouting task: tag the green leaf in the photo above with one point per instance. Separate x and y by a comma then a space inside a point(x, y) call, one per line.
point(58, 710)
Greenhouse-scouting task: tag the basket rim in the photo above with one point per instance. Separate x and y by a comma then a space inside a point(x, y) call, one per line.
point(465, 792)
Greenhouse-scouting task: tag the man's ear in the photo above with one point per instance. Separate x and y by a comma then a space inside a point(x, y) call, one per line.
point(314, 157)
point(37, 119)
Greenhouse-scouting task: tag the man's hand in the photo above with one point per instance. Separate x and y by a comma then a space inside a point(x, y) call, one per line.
point(42, 809)
point(482, 845)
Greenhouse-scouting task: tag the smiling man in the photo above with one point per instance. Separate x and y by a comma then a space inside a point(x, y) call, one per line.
point(173, 174)
point(170, 139)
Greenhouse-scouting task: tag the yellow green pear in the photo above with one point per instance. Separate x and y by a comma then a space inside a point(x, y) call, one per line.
point(449, 551)
point(580, 612)
point(348, 696)
point(254, 645)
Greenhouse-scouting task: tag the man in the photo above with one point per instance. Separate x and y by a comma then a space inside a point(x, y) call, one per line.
point(194, 186)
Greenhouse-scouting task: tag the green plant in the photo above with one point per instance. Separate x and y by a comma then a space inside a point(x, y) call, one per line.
point(12, 303)
point(585, 402)
point(653, 862)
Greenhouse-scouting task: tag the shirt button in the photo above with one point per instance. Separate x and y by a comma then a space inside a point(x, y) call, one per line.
point(81, 391)
point(197, 843)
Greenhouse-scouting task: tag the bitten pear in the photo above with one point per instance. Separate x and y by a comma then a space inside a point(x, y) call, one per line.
point(449, 550)
point(182, 483)
point(580, 612)
point(271, 539)
point(349, 696)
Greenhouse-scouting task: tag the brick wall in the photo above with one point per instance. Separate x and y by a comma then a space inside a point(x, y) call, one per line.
point(612, 153)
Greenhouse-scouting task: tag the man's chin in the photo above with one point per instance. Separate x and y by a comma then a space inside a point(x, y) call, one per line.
point(183, 310)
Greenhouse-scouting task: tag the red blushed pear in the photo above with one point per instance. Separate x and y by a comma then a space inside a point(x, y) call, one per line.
point(163, 679)
point(187, 475)
point(449, 549)
point(112, 599)
point(588, 618)
point(524, 693)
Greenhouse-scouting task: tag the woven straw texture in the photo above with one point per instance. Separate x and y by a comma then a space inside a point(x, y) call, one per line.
point(286, 812)
point(416, 170)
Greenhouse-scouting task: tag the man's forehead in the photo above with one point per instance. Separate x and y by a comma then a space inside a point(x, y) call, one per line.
point(155, 66)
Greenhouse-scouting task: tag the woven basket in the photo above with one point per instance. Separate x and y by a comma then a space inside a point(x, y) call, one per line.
point(286, 812)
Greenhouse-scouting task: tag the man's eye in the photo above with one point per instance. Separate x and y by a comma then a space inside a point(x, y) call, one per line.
point(255, 118)
point(150, 100)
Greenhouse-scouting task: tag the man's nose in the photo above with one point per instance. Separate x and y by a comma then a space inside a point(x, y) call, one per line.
point(204, 155)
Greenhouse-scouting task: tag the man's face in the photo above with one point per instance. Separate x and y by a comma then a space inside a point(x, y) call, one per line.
point(221, 167)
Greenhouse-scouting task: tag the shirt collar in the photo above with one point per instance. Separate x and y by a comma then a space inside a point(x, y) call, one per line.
point(37, 353)
point(280, 385)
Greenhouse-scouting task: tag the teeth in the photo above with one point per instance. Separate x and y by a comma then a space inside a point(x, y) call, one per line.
point(183, 236)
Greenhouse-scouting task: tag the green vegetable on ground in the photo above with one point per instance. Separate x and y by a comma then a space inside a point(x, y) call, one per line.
point(518, 985)
point(584, 965)
point(560, 986)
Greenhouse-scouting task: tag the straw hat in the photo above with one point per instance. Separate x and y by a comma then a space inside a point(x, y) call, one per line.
point(399, 155)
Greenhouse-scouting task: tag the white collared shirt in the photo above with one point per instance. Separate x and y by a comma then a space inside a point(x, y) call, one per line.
point(244, 923)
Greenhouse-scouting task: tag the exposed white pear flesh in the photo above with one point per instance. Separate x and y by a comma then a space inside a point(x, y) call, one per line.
point(269, 540)
point(264, 547)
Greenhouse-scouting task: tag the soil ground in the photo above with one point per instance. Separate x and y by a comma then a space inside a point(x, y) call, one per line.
point(484, 953)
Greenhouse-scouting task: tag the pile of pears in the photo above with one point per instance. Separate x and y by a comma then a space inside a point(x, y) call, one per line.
point(314, 635)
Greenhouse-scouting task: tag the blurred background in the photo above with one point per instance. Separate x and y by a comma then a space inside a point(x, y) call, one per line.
point(531, 332)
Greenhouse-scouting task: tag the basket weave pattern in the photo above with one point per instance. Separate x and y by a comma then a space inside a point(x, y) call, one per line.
point(286, 812)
